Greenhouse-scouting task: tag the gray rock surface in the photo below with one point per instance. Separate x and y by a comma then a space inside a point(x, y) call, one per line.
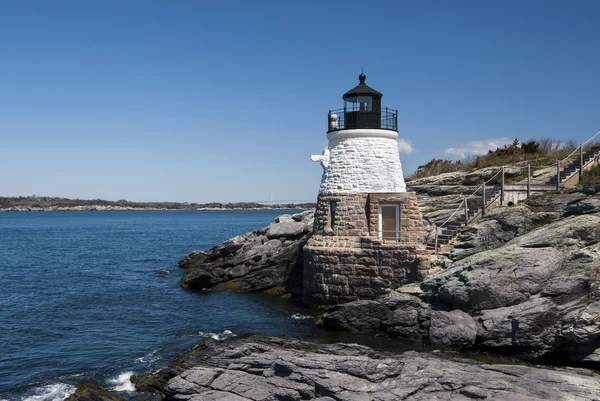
point(399, 314)
point(284, 369)
point(268, 259)
point(454, 329)
point(528, 278)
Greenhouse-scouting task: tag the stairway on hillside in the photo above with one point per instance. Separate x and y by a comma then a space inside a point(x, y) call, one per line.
point(458, 222)
point(450, 229)
point(573, 167)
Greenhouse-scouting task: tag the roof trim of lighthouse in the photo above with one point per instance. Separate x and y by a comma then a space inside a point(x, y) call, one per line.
point(362, 89)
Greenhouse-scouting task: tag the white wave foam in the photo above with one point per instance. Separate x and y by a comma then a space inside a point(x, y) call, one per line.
point(122, 382)
point(150, 357)
point(50, 392)
point(299, 316)
point(225, 334)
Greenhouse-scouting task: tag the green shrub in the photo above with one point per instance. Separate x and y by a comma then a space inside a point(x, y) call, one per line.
point(591, 176)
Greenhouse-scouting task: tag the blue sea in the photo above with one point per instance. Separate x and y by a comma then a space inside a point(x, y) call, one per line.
point(94, 296)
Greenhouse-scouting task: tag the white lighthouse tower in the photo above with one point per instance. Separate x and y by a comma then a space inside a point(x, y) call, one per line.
point(368, 234)
point(362, 155)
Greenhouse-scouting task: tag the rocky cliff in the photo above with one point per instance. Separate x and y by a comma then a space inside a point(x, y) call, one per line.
point(266, 260)
point(524, 280)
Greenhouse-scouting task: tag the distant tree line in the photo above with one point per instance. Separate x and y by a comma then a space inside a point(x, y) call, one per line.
point(56, 202)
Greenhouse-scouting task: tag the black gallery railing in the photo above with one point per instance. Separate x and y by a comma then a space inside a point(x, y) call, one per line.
point(371, 118)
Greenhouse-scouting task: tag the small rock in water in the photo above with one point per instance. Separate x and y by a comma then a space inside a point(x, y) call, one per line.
point(92, 392)
point(163, 272)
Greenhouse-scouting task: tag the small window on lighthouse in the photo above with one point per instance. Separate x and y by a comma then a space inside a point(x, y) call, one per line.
point(389, 222)
point(332, 208)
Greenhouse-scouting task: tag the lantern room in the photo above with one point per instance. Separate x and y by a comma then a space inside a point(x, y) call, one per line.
point(362, 109)
point(362, 97)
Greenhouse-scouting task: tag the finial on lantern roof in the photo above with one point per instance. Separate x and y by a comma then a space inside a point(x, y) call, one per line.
point(362, 77)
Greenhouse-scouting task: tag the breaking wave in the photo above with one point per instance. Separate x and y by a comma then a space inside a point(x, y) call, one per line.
point(225, 334)
point(50, 392)
point(121, 382)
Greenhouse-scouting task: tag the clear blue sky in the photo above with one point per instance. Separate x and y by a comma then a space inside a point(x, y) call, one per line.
point(226, 101)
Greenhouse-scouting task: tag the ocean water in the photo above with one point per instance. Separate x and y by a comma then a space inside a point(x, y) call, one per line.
point(94, 296)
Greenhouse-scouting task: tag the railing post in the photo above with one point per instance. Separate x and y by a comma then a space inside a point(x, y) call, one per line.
point(387, 119)
point(436, 237)
point(466, 212)
point(502, 189)
point(558, 175)
point(483, 200)
point(528, 180)
point(580, 163)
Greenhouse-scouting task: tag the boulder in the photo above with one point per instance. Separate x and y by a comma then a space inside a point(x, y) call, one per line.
point(584, 206)
point(266, 260)
point(454, 329)
point(285, 229)
point(400, 314)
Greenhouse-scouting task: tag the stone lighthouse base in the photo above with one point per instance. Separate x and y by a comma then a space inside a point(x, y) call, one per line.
point(349, 257)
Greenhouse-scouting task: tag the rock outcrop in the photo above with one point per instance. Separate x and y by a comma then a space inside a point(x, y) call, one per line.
point(92, 392)
point(267, 368)
point(268, 259)
point(525, 281)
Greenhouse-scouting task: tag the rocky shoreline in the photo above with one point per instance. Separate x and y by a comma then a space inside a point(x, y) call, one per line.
point(523, 281)
point(274, 368)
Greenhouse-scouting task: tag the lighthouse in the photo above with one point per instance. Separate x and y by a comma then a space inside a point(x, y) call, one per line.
point(362, 155)
point(368, 234)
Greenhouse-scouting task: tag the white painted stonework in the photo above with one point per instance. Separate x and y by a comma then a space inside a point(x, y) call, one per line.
point(361, 161)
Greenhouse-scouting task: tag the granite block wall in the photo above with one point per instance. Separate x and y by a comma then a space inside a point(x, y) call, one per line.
point(345, 260)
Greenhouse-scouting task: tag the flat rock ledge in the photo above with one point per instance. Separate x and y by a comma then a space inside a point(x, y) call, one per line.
point(273, 368)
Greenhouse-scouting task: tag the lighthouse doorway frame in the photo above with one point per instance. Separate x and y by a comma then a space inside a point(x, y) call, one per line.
point(383, 234)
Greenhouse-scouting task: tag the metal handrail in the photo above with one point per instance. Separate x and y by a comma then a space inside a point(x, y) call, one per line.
point(452, 215)
point(464, 202)
point(586, 142)
point(469, 197)
point(381, 118)
point(553, 164)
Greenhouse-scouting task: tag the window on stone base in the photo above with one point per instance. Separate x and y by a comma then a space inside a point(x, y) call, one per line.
point(332, 209)
point(389, 222)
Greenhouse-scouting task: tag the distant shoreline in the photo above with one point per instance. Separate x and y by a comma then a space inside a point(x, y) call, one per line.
point(51, 204)
point(133, 209)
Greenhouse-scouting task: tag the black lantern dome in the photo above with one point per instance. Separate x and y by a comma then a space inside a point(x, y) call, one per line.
point(362, 89)
point(362, 109)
